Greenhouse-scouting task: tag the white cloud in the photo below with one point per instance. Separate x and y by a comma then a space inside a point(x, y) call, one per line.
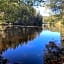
point(43, 11)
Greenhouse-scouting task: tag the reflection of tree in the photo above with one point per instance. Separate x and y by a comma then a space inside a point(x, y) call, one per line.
point(17, 35)
point(2, 59)
point(53, 54)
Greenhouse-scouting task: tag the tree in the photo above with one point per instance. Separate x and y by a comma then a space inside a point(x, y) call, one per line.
point(15, 11)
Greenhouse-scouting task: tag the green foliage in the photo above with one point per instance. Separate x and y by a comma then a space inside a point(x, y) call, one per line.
point(15, 11)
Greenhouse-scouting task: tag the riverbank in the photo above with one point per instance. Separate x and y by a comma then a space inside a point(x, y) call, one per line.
point(53, 54)
point(57, 27)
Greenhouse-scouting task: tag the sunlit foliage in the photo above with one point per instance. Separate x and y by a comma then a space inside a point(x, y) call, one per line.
point(15, 10)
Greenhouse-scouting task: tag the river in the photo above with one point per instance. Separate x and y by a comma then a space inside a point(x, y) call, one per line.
point(21, 47)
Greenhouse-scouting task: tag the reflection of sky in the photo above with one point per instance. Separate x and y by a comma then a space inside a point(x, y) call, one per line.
point(32, 52)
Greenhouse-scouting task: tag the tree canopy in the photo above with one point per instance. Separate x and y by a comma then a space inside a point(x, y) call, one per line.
point(14, 10)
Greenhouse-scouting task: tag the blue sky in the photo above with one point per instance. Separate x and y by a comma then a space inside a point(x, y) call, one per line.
point(46, 11)
point(43, 10)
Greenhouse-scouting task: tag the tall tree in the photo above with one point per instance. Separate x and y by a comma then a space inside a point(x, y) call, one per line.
point(13, 11)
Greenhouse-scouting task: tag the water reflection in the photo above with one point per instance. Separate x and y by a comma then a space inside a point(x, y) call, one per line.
point(2, 60)
point(16, 35)
point(32, 52)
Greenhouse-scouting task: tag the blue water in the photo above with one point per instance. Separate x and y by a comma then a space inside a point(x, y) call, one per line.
point(32, 52)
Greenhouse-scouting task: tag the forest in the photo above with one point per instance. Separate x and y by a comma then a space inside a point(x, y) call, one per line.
point(17, 12)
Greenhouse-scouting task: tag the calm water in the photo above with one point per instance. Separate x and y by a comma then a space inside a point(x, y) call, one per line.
point(31, 50)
